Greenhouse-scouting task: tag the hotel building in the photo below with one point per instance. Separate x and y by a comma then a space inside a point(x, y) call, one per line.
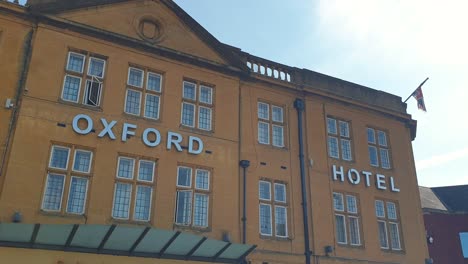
point(130, 134)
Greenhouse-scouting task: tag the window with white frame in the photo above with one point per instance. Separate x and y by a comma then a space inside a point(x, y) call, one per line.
point(273, 200)
point(379, 149)
point(143, 95)
point(347, 219)
point(133, 191)
point(193, 196)
point(339, 139)
point(388, 225)
point(67, 180)
point(84, 78)
point(197, 105)
point(270, 124)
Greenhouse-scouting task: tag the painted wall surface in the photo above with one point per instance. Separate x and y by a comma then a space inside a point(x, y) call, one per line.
point(46, 120)
point(445, 229)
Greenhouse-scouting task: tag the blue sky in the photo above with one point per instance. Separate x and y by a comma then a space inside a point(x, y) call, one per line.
point(388, 45)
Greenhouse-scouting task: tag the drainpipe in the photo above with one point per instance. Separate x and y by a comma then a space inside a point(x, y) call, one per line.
point(299, 105)
point(244, 164)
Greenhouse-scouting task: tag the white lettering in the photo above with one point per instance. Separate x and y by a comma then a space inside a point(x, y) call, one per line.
point(380, 181)
point(367, 174)
point(88, 128)
point(126, 131)
point(336, 173)
point(191, 143)
point(392, 185)
point(107, 128)
point(156, 134)
point(351, 178)
point(176, 141)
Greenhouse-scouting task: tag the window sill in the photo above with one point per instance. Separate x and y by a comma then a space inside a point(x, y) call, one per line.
point(360, 247)
point(62, 214)
point(392, 251)
point(88, 107)
point(191, 228)
point(342, 160)
point(137, 117)
point(274, 238)
point(270, 146)
point(130, 222)
point(196, 130)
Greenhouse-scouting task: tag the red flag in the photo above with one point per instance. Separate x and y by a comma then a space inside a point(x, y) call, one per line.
point(418, 95)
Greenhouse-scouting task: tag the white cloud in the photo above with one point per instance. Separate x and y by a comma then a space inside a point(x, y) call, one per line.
point(442, 159)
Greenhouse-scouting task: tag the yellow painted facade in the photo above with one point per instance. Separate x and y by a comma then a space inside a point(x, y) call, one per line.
point(181, 51)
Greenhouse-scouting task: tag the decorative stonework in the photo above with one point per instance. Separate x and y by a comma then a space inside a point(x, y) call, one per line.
point(149, 28)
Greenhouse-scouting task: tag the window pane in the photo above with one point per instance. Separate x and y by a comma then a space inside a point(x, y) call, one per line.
point(190, 91)
point(265, 219)
point(154, 82)
point(340, 229)
point(263, 111)
point(53, 193)
point(355, 238)
point(152, 106)
point(394, 236)
point(464, 243)
point(391, 210)
point(374, 160)
point(352, 204)
point(59, 159)
point(264, 190)
point(96, 67)
point(202, 180)
point(331, 126)
point(122, 200)
point(92, 95)
point(344, 129)
point(125, 168)
point(379, 208)
point(382, 138)
point(75, 62)
point(143, 203)
point(206, 95)
point(280, 192)
point(184, 207)
point(77, 195)
point(200, 210)
point(338, 202)
point(281, 221)
point(132, 105)
point(204, 118)
point(82, 161)
point(383, 234)
point(384, 158)
point(146, 171)
point(333, 147)
point(184, 177)
point(370, 135)
point(188, 114)
point(135, 77)
point(263, 133)
point(71, 88)
point(278, 138)
point(346, 149)
point(277, 114)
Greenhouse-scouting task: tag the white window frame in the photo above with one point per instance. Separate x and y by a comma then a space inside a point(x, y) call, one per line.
point(194, 115)
point(195, 185)
point(142, 76)
point(269, 187)
point(260, 219)
point(152, 173)
point(139, 104)
point(211, 117)
point(135, 201)
point(103, 67)
point(85, 196)
point(211, 92)
point(383, 206)
point(52, 154)
point(386, 233)
point(282, 136)
point(207, 211)
point(129, 204)
point(64, 176)
point(282, 113)
point(342, 202)
point(79, 55)
point(358, 232)
point(268, 111)
point(345, 223)
point(191, 206)
point(190, 177)
point(118, 167)
point(90, 160)
point(79, 88)
point(268, 133)
point(160, 84)
point(194, 92)
point(285, 192)
point(286, 220)
point(144, 106)
point(390, 236)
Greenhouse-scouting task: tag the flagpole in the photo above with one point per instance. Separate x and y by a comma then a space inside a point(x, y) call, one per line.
point(416, 89)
